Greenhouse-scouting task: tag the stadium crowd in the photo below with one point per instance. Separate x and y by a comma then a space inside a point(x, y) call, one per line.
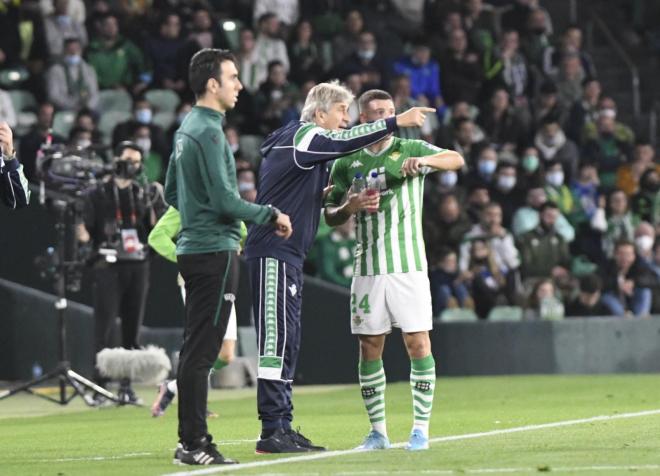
point(556, 211)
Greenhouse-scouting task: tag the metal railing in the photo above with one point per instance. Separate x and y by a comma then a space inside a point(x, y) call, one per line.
point(597, 22)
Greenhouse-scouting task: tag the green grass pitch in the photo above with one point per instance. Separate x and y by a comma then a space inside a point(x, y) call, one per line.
point(41, 438)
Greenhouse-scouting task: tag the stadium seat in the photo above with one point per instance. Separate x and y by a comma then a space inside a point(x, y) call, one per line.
point(458, 315)
point(249, 146)
point(63, 122)
point(12, 77)
point(163, 100)
point(164, 119)
point(115, 100)
point(108, 122)
point(22, 100)
point(506, 313)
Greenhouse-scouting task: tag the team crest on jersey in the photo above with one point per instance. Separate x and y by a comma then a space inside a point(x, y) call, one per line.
point(293, 289)
point(395, 155)
point(357, 320)
point(179, 148)
point(356, 164)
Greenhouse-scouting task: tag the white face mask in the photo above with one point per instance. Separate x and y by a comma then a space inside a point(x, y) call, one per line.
point(556, 179)
point(644, 243)
point(448, 179)
point(144, 143)
point(84, 143)
point(506, 182)
point(234, 147)
point(245, 186)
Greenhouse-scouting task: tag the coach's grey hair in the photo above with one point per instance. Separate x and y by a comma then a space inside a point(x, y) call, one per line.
point(322, 96)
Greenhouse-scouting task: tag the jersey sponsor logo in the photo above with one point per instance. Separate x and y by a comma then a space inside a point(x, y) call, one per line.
point(293, 289)
point(356, 164)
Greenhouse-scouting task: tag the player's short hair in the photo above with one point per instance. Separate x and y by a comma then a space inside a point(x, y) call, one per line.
point(323, 96)
point(204, 65)
point(373, 95)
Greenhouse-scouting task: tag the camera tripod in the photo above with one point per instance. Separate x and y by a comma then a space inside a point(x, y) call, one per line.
point(63, 371)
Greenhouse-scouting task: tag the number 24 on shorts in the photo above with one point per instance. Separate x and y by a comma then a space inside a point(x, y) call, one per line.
point(363, 305)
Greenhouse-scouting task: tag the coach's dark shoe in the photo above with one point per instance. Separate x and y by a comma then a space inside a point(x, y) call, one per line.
point(302, 441)
point(280, 441)
point(207, 453)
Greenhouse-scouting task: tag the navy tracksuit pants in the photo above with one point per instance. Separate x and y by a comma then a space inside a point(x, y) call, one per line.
point(277, 303)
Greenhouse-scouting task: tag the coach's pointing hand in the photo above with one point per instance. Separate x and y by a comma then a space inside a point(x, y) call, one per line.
point(283, 226)
point(413, 117)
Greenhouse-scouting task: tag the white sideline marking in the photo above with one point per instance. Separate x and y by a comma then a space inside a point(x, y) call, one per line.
point(553, 469)
point(442, 439)
point(94, 458)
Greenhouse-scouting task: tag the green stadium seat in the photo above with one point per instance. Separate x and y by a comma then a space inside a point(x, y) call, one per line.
point(115, 100)
point(506, 313)
point(109, 120)
point(63, 122)
point(458, 315)
point(22, 100)
point(164, 119)
point(163, 100)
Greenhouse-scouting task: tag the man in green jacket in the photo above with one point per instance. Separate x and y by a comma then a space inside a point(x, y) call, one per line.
point(201, 184)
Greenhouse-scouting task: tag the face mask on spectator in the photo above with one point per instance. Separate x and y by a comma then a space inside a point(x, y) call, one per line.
point(143, 116)
point(487, 167)
point(63, 20)
point(73, 60)
point(234, 147)
point(245, 186)
point(530, 163)
point(144, 143)
point(644, 243)
point(366, 54)
point(448, 179)
point(84, 143)
point(506, 182)
point(556, 179)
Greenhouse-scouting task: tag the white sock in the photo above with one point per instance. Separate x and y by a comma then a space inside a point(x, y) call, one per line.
point(171, 386)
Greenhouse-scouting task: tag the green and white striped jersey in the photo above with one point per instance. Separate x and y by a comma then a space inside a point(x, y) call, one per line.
point(390, 241)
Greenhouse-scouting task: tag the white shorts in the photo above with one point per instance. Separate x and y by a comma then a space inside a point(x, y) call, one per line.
point(232, 331)
point(381, 302)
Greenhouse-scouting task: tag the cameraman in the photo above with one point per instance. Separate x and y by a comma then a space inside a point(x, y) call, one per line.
point(119, 213)
point(13, 184)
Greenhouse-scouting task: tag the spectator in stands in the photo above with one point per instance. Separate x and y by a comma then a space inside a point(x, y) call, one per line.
point(292, 113)
point(516, 17)
point(448, 287)
point(446, 226)
point(163, 52)
point(59, 26)
point(86, 119)
point(501, 123)
point(33, 140)
point(80, 138)
point(181, 112)
point(403, 100)
point(543, 303)
point(464, 141)
point(7, 112)
point(553, 145)
point(117, 61)
point(251, 72)
point(526, 218)
point(543, 251)
point(143, 115)
point(536, 40)
point(479, 22)
point(531, 171)
point(569, 80)
point(644, 239)
point(506, 65)
point(583, 110)
point(153, 163)
point(499, 239)
point(287, 11)
point(484, 170)
point(589, 302)
point(607, 107)
point(76, 9)
point(247, 184)
point(71, 81)
point(305, 54)
point(606, 149)
point(556, 189)
point(367, 62)
point(588, 215)
point(335, 254)
point(487, 282)
point(645, 204)
point(460, 110)
point(504, 191)
point(234, 142)
point(628, 175)
point(275, 95)
point(346, 43)
point(571, 44)
point(440, 184)
point(620, 225)
point(269, 44)
point(424, 74)
point(627, 282)
point(462, 73)
point(547, 104)
point(478, 196)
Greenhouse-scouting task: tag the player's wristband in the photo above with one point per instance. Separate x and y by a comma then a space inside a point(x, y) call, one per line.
point(275, 213)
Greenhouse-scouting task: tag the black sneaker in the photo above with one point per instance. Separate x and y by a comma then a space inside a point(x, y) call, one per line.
point(302, 441)
point(206, 454)
point(279, 442)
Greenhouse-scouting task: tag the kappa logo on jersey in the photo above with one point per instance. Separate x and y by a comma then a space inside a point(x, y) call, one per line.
point(179, 148)
point(356, 164)
point(293, 289)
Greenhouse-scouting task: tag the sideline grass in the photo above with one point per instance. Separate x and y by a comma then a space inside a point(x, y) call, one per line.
point(38, 437)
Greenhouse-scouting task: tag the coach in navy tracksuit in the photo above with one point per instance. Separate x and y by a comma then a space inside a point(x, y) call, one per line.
point(13, 185)
point(292, 177)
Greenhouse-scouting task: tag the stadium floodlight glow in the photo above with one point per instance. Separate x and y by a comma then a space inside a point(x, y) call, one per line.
point(229, 25)
point(14, 75)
